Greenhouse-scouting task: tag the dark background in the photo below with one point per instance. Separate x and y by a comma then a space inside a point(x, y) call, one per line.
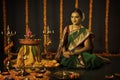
point(15, 11)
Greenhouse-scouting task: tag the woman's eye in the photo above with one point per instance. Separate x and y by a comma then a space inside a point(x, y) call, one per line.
point(77, 17)
point(74, 16)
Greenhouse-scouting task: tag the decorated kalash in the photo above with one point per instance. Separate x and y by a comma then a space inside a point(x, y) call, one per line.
point(30, 65)
point(30, 54)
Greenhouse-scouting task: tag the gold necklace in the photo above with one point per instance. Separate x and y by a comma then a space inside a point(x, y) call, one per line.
point(73, 29)
point(76, 30)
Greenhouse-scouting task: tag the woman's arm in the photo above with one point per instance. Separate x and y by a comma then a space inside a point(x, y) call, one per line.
point(61, 47)
point(87, 46)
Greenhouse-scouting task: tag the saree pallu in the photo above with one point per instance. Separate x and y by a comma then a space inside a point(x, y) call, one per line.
point(74, 40)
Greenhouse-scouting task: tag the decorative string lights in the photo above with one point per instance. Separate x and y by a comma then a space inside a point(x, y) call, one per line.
point(106, 25)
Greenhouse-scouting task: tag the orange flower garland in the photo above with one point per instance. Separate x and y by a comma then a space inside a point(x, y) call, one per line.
point(61, 18)
point(106, 25)
point(45, 24)
point(26, 15)
point(90, 14)
point(4, 22)
point(76, 4)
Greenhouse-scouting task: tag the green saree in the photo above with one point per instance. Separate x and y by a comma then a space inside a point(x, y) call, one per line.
point(73, 41)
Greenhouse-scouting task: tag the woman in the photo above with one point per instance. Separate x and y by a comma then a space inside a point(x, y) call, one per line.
point(76, 45)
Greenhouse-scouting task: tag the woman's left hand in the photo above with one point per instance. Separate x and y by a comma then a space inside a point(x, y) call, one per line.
point(66, 54)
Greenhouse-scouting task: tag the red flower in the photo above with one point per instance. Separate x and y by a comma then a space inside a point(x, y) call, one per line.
point(29, 33)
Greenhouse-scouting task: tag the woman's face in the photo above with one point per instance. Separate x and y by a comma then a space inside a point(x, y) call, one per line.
point(75, 18)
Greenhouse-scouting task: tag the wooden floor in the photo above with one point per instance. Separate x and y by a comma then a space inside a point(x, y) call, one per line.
point(106, 70)
point(101, 73)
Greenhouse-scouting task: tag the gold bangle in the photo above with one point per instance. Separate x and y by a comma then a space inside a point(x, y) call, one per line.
point(71, 53)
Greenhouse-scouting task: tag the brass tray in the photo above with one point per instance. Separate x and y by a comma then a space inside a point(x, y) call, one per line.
point(66, 75)
point(29, 41)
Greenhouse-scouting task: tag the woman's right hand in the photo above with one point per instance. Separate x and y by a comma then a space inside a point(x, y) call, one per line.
point(66, 54)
